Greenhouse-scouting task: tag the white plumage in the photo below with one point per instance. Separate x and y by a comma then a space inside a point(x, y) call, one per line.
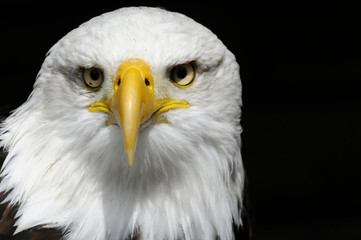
point(66, 168)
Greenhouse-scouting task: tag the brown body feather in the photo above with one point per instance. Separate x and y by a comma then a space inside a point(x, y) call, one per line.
point(8, 219)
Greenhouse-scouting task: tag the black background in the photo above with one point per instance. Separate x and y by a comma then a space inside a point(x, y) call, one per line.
point(301, 74)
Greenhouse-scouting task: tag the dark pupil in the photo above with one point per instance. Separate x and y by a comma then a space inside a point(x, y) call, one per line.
point(182, 72)
point(94, 75)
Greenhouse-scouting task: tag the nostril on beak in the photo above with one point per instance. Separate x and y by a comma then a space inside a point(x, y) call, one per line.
point(118, 82)
point(147, 82)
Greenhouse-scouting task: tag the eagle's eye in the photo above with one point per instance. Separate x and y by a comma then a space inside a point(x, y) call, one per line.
point(183, 75)
point(93, 78)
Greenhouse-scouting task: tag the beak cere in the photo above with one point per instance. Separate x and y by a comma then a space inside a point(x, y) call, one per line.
point(133, 101)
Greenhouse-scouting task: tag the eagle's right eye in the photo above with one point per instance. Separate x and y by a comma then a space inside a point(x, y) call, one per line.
point(93, 78)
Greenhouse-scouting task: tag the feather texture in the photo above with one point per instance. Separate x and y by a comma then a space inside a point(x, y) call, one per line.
point(66, 169)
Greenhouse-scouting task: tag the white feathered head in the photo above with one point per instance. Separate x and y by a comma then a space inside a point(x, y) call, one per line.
point(133, 128)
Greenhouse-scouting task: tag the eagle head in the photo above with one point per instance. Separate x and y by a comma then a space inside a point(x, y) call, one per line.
point(132, 129)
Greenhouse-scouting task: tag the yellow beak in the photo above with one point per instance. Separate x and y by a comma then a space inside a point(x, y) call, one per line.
point(134, 102)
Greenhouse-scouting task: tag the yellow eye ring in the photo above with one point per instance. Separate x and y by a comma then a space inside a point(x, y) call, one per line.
point(183, 75)
point(93, 78)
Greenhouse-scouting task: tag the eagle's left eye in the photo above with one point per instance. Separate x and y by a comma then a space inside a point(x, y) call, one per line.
point(93, 78)
point(183, 75)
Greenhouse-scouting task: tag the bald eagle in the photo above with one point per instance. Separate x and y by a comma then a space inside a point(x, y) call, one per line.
point(132, 131)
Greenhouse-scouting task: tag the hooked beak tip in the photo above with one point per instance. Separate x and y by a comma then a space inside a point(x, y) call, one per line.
point(130, 156)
